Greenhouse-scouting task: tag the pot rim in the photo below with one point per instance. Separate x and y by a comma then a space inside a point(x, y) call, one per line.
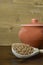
point(31, 25)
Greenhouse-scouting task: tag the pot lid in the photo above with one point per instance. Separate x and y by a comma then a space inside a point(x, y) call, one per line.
point(34, 23)
point(31, 24)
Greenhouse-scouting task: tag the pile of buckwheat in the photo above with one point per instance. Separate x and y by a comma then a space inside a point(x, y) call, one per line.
point(23, 49)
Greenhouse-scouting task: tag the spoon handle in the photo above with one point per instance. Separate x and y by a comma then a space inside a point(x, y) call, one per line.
point(41, 50)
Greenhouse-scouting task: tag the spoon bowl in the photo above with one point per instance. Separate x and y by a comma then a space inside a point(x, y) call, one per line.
point(35, 52)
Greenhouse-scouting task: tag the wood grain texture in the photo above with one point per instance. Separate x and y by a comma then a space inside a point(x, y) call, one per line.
point(17, 12)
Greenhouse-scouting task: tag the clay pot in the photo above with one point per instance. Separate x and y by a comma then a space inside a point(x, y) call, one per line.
point(32, 34)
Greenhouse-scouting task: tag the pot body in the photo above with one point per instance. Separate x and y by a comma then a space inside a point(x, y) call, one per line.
point(32, 35)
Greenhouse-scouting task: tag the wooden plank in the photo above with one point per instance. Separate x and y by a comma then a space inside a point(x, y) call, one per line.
point(7, 58)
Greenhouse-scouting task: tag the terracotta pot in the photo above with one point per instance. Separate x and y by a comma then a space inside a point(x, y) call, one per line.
point(32, 34)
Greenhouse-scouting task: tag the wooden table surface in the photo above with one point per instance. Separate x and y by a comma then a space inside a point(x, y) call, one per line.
point(7, 58)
